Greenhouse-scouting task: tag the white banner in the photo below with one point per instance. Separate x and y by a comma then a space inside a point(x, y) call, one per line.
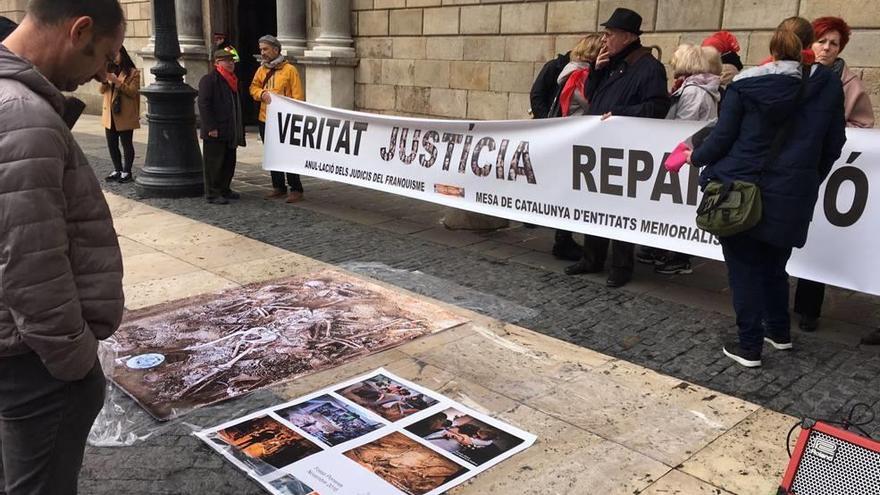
point(580, 174)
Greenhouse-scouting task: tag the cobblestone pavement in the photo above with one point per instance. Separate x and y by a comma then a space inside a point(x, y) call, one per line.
point(823, 377)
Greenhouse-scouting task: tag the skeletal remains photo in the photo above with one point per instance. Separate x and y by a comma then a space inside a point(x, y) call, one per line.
point(176, 357)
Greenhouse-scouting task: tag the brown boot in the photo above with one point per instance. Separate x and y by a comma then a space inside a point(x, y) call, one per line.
point(294, 197)
point(276, 193)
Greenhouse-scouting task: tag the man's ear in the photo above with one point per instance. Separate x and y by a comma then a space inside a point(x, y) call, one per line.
point(82, 31)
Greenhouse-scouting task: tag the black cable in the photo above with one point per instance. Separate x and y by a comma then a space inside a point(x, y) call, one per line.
point(847, 424)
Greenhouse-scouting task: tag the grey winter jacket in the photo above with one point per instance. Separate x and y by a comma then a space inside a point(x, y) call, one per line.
point(60, 264)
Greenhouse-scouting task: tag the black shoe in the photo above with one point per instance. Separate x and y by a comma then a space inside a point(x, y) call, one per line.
point(125, 177)
point(650, 256)
point(779, 342)
point(809, 323)
point(570, 251)
point(748, 359)
point(872, 338)
point(618, 278)
point(582, 267)
point(232, 195)
point(113, 177)
point(218, 200)
point(673, 267)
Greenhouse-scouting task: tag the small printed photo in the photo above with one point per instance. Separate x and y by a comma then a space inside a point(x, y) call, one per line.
point(448, 190)
point(406, 464)
point(288, 485)
point(265, 444)
point(329, 420)
point(387, 398)
point(464, 436)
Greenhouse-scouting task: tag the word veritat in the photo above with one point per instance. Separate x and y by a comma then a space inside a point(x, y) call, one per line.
point(320, 133)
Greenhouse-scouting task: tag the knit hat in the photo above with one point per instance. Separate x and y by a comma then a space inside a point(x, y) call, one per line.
point(271, 40)
point(723, 41)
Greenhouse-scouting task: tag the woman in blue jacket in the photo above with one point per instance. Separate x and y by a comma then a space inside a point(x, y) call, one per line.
point(761, 103)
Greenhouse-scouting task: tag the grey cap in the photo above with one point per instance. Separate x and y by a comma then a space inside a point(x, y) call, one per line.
point(271, 40)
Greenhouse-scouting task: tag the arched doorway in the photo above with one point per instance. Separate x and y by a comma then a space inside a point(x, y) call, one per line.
point(255, 18)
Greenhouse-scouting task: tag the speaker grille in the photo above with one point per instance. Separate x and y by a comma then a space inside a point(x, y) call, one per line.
point(831, 466)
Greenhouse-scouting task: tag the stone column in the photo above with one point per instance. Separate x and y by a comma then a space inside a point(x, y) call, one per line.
point(191, 34)
point(335, 25)
point(292, 27)
point(329, 65)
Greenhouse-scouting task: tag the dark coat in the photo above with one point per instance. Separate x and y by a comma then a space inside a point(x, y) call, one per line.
point(633, 84)
point(220, 108)
point(752, 113)
point(545, 88)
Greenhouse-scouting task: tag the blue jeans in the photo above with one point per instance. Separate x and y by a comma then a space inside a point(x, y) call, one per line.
point(759, 285)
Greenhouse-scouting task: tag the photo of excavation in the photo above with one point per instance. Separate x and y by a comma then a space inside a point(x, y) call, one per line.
point(179, 356)
point(387, 398)
point(464, 436)
point(264, 444)
point(406, 464)
point(329, 420)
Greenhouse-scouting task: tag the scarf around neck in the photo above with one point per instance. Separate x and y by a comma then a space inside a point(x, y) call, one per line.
point(230, 77)
point(274, 64)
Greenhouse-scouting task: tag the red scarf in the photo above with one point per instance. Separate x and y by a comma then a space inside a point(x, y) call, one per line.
point(575, 82)
point(231, 78)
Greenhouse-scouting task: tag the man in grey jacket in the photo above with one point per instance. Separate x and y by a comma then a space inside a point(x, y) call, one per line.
point(60, 264)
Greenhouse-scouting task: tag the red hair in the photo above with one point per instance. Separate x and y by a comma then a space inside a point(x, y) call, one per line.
point(722, 41)
point(825, 25)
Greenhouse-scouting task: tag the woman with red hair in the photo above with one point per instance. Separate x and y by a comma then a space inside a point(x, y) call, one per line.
point(832, 35)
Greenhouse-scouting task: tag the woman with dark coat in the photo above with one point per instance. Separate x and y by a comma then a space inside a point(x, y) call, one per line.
point(760, 104)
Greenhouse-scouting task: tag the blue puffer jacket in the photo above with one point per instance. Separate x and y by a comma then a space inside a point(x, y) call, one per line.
point(754, 109)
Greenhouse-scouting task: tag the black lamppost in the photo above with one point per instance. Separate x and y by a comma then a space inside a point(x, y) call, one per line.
point(173, 166)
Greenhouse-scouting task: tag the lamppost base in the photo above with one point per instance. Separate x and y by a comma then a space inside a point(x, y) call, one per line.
point(173, 165)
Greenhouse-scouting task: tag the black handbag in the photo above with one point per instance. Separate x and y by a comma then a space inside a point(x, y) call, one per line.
point(117, 103)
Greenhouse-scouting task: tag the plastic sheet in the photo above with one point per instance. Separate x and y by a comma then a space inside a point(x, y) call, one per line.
point(121, 422)
point(444, 290)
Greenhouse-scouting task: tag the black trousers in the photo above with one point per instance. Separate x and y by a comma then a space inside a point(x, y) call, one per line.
point(293, 180)
point(44, 424)
point(622, 253)
point(759, 285)
point(808, 298)
point(114, 138)
point(219, 167)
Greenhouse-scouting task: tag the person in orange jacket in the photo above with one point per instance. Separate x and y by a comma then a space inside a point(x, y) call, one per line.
point(279, 77)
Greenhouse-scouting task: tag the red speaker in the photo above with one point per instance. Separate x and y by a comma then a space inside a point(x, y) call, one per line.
point(832, 461)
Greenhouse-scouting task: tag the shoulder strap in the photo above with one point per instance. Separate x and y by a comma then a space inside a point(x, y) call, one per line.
point(269, 76)
point(637, 55)
point(785, 131)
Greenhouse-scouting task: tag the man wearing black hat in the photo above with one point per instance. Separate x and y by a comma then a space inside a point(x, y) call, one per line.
point(628, 81)
point(222, 130)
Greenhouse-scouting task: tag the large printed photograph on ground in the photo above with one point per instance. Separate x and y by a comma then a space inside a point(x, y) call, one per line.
point(387, 398)
point(264, 445)
point(406, 464)
point(179, 356)
point(464, 436)
point(329, 420)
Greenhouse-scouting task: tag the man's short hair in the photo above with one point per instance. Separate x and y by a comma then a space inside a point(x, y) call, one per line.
point(106, 14)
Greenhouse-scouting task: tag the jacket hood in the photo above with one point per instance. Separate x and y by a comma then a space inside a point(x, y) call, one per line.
point(773, 88)
point(710, 82)
point(14, 67)
point(569, 68)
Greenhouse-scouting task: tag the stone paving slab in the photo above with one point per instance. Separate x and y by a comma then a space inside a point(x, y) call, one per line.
point(596, 416)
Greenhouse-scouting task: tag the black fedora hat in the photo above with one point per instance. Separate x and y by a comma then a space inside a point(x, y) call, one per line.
point(626, 20)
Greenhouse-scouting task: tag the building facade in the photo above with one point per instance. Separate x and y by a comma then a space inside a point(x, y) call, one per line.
point(473, 59)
